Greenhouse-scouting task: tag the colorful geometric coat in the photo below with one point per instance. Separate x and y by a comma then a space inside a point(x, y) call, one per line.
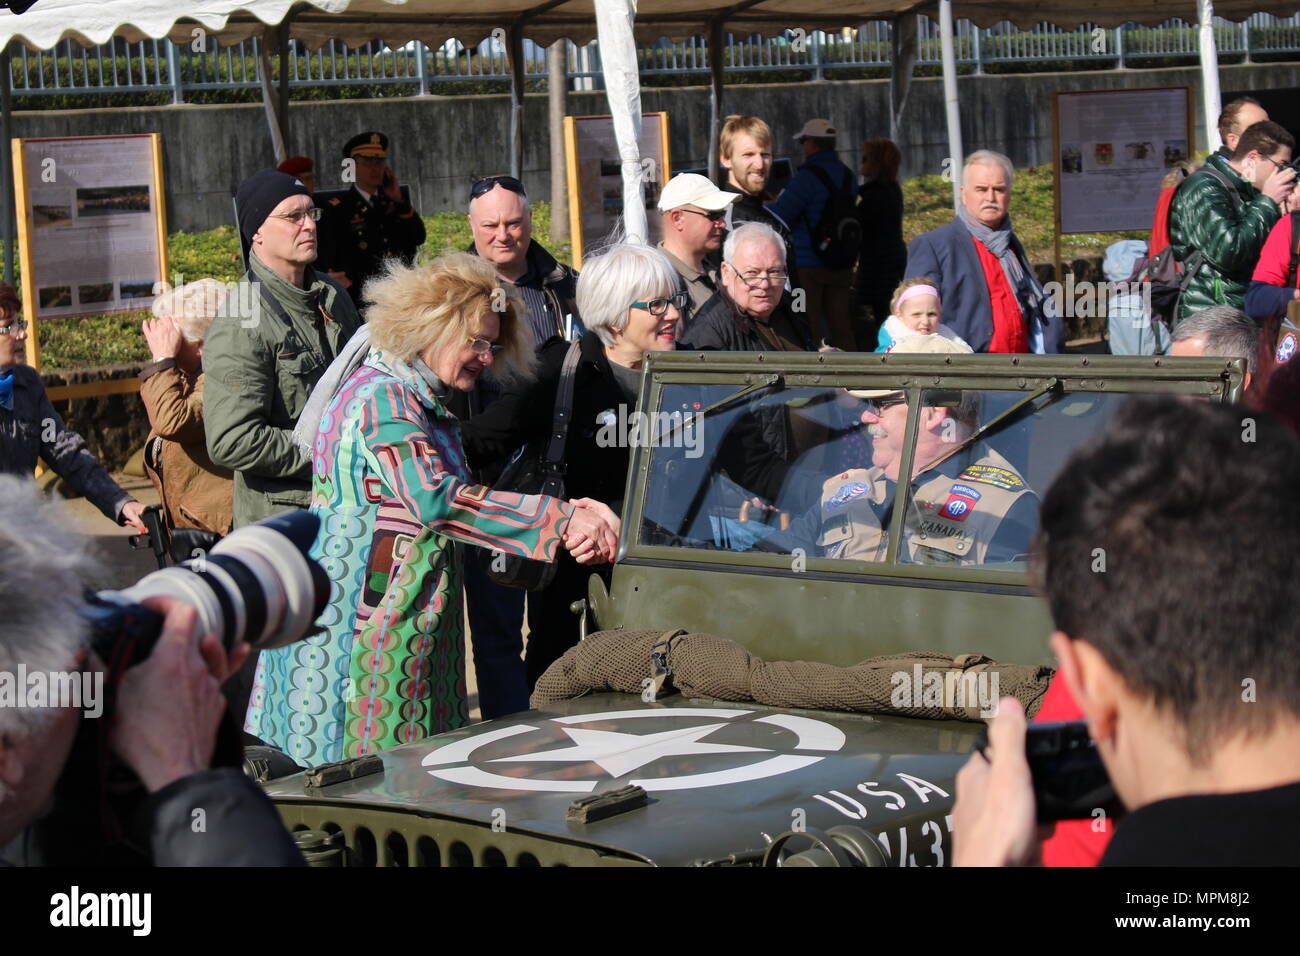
point(394, 497)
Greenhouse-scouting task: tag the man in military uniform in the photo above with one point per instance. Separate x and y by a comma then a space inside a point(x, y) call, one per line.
point(967, 508)
point(969, 505)
point(371, 222)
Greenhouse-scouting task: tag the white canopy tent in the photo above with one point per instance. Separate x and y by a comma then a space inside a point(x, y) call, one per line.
point(620, 24)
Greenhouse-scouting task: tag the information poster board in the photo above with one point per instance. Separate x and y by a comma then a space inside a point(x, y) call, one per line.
point(1113, 147)
point(595, 174)
point(92, 233)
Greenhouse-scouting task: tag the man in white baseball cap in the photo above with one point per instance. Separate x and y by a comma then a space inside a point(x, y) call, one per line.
point(694, 219)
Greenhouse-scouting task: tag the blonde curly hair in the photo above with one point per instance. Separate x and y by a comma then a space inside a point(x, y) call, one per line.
point(443, 303)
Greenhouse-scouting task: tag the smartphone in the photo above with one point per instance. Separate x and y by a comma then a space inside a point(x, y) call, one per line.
point(1070, 781)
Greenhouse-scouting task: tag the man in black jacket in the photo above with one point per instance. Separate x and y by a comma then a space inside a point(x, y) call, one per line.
point(501, 220)
point(1188, 670)
point(164, 721)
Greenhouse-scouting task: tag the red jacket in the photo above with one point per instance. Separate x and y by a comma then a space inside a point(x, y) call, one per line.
point(1160, 227)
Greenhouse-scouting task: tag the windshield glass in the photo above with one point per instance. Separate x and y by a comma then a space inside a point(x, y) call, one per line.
point(814, 471)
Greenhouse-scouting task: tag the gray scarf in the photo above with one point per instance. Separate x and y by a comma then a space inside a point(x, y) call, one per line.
point(1016, 269)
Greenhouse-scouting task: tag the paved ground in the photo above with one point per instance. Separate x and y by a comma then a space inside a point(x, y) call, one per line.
point(117, 566)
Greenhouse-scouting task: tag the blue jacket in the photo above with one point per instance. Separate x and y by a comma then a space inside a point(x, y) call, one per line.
point(801, 203)
point(947, 255)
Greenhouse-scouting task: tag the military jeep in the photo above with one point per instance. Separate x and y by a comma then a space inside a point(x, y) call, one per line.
point(742, 468)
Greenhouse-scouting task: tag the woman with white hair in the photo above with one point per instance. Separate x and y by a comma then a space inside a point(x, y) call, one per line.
point(395, 499)
point(631, 301)
point(196, 494)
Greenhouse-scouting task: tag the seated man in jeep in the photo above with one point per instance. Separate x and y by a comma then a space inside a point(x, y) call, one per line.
point(968, 504)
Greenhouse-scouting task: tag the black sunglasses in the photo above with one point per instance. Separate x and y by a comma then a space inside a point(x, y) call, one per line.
point(485, 185)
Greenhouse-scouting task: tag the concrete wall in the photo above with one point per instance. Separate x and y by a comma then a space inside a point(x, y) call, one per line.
point(441, 144)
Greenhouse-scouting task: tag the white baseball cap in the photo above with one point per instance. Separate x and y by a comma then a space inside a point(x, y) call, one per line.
point(692, 189)
point(819, 128)
point(914, 345)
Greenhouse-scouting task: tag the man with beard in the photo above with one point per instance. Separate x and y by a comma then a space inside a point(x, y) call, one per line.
point(745, 151)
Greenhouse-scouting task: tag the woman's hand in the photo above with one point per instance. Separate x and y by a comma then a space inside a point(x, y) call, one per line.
point(592, 533)
point(163, 336)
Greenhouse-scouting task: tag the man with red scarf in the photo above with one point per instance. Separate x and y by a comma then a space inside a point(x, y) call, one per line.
point(991, 297)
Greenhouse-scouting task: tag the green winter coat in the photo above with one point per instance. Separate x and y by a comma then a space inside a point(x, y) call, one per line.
point(259, 371)
point(1229, 235)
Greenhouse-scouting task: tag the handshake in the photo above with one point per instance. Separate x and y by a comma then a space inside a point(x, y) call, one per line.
point(591, 535)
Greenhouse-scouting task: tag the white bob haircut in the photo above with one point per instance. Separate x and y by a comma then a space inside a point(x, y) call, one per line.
point(193, 306)
point(989, 157)
point(750, 232)
point(43, 565)
point(619, 275)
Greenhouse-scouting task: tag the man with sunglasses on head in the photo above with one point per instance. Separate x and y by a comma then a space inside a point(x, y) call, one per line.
point(369, 223)
point(694, 222)
point(267, 347)
point(501, 220)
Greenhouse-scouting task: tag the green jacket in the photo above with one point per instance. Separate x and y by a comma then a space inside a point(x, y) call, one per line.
point(259, 370)
point(1229, 236)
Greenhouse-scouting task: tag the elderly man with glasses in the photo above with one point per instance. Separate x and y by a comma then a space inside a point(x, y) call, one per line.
point(370, 222)
point(267, 347)
point(749, 313)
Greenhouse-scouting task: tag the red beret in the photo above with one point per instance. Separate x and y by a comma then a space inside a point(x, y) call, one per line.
point(295, 165)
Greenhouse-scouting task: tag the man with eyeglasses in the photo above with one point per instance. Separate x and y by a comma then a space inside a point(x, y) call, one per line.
point(1224, 212)
point(275, 335)
point(694, 222)
point(749, 312)
point(369, 223)
point(968, 506)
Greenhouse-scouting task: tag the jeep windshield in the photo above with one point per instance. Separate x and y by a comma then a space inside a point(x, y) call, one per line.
point(786, 466)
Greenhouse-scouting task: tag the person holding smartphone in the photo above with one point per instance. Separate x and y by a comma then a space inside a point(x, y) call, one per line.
point(371, 221)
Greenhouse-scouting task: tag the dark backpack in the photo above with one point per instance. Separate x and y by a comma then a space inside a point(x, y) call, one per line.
point(837, 237)
point(1168, 277)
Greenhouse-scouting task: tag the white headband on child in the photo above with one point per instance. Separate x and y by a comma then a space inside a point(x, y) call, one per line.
point(915, 290)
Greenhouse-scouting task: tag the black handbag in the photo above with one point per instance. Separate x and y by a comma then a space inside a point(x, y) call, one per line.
point(527, 473)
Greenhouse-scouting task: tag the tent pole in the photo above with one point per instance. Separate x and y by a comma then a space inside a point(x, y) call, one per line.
point(6, 164)
point(284, 83)
point(557, 65)
point(717, 55)
point(1210, 99)
point(950, 98)
point(268, 95)
point(900, 71)
point(515, 51)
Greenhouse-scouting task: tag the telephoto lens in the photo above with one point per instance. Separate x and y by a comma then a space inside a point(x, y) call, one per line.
point(258, 584)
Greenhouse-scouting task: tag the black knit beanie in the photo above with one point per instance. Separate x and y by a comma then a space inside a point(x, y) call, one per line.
point(260, 193)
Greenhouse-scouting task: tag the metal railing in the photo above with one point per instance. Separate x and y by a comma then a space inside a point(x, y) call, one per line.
point(159, 66)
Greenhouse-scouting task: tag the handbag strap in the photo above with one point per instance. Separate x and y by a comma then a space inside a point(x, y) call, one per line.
point(554, 461)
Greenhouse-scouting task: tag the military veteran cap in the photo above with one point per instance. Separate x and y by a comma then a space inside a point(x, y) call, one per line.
point(370, 143)
point(914, 345)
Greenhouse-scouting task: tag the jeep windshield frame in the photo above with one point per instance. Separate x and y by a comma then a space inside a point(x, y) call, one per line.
point(767, 374)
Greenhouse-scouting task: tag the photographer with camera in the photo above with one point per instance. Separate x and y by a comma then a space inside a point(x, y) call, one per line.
point(161, 719)
point(1187, 671)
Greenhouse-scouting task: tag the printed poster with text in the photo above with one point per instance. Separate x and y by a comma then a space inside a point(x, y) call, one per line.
point(1114, 147)
point(91, 230)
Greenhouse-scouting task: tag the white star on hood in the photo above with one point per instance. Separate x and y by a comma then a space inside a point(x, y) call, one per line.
point(618, 753)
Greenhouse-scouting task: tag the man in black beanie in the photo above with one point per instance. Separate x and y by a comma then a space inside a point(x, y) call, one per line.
point(275, 335)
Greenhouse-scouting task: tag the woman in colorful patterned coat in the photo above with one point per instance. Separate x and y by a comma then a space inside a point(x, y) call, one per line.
point(395, 499)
